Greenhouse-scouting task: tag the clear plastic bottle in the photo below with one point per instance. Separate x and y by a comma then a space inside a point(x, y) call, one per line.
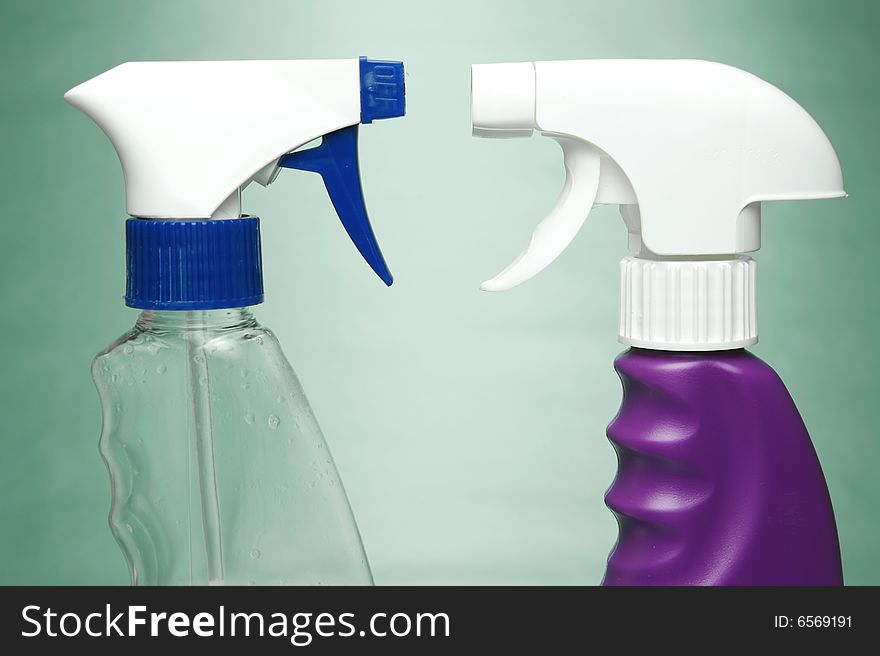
point(220, 473)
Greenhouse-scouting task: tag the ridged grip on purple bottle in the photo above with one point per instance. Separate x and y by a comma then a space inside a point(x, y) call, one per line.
point(718, 482)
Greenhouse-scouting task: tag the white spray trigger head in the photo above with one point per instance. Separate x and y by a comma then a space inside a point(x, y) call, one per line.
point(688, 149)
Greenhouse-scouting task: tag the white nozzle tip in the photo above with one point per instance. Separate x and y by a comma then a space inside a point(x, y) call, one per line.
point(503, 100)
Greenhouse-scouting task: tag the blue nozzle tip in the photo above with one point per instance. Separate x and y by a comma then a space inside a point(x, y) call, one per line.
point(383, 93)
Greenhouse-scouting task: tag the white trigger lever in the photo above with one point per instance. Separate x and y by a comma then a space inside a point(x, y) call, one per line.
point(559, 227)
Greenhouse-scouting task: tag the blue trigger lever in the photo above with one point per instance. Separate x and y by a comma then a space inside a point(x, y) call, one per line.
point(336, 158)
point(337, 162)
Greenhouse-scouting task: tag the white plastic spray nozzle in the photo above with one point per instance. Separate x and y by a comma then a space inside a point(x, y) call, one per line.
point(687, 149)
point(191, 135)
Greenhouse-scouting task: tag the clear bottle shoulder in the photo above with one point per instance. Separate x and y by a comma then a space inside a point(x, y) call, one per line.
point(200, 408)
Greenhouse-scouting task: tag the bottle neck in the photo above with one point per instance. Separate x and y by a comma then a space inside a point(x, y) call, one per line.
point(688, 304)
point(182, 320)
point(193, 265)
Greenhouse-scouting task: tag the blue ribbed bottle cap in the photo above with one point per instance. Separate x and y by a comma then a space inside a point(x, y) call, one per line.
point(193, 265)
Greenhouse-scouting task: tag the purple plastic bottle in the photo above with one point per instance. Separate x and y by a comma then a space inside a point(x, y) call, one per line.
point(718, 481)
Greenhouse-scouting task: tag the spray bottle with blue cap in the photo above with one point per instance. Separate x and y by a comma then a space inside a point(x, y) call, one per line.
point(219, 472)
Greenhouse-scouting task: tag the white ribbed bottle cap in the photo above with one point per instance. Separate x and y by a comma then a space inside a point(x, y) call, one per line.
point(688, 305)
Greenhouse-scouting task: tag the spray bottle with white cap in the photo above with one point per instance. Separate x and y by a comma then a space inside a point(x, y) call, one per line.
point(219, 471)
point(718, 481)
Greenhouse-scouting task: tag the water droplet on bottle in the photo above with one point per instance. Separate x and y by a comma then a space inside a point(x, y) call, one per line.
point(199, 359)
point(255, 553)
point(245, 386)
point(129, 528)
point(135, 472)
point(249, 418)
point(161, 368)
point(259, 340)
point(128, 349)
point(274, 421)
point(244, 373)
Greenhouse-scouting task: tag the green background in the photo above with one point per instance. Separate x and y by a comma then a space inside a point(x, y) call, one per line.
point(468, 427)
